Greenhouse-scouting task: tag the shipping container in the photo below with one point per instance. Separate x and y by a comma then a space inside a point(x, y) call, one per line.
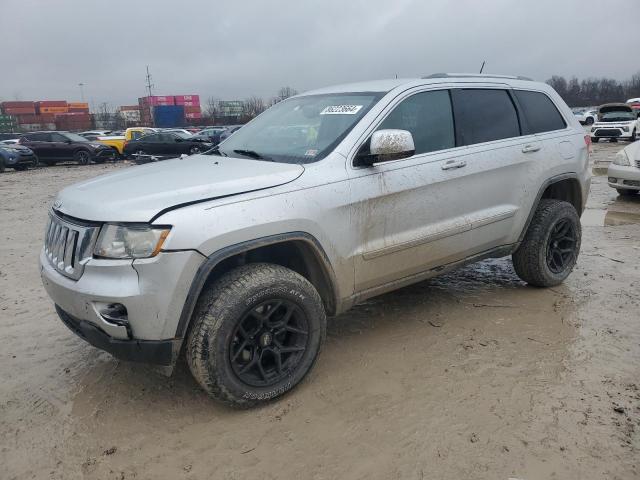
point(165, 116)
point(157, 100)
point(19, 110)
point(51, 103)
point(43, 110)
point(18, 104)
point(46, 118)
point(192, 116)
point(190, 109)
point(189, 100)
point(78, 110)
point(73, 114)
point(81, 105)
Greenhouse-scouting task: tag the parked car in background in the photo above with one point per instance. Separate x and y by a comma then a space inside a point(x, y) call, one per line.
point(615, 121)
point(13, 141)
point(229, 131)
point(166, 144)
point(9, 136)
point(234, 258)
point(624, 171)
point(94, 134)
point(54, 147)
point(117, 142)
point(16, 157)
point(210, 134)
point(586, 117)
point(178, 130)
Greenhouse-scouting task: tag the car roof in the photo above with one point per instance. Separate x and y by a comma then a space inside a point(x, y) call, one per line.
point(389, 84)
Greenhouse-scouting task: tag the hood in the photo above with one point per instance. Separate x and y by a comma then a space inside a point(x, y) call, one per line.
point(614, 107)
point(139, 193)
point(15, 148)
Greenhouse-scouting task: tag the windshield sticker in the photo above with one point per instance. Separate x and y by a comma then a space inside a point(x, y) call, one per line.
point(310, 153)
point(341, 110)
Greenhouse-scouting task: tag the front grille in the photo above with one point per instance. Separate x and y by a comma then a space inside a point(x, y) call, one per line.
point(632, 183)
point(69, 245)
point(608, 132)
point(638, 163)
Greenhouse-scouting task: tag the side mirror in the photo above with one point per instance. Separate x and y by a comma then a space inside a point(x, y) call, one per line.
point(386, 145)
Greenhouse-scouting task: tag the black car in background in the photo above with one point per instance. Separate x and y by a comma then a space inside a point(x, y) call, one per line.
point(54, 147)
point(229, 131)
point(167, 145)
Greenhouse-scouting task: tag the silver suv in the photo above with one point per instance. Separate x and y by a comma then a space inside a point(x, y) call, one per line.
point(235, 257)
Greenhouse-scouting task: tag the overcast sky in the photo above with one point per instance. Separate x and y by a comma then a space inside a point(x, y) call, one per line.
point(235, 49)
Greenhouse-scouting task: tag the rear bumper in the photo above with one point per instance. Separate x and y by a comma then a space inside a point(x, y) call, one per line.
point(157, 352)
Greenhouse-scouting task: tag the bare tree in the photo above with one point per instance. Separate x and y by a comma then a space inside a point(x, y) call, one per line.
point(106, 116)
point(252, 107)
point(212, 109)
point(286, 92)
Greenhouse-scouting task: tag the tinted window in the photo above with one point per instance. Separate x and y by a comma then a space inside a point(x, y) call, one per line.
point(484, 115)
point(540, 114)
point(151, 138)
point(56, 137)
point(39, 137)
point(429, 118)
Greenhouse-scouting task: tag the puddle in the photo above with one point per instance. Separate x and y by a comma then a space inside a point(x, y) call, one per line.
point(608, 218)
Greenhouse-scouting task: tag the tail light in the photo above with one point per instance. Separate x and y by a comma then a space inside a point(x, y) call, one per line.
point(587, 141)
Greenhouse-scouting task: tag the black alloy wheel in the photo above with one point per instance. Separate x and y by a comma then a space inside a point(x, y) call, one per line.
point(269, 342)
point(561, 248)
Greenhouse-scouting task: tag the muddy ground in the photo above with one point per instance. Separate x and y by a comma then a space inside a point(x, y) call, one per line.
point(471, 375)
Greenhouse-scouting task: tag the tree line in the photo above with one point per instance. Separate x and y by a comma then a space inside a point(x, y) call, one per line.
point(217, 111)
point(591, 92)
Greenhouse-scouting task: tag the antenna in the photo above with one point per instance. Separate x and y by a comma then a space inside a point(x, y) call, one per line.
point(482, 67)
point(149, 84)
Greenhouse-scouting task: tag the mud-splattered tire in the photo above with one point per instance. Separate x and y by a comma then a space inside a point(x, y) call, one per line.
point(244, 322)
point(551, 245)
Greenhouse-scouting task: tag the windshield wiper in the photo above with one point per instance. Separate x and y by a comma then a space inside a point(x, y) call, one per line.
point(251, 154)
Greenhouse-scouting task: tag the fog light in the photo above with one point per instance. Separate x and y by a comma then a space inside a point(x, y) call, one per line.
point(612, 180)
point(115, 313)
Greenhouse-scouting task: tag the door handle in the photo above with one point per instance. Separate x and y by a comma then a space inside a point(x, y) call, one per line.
point(451, 164)
point(530, 148)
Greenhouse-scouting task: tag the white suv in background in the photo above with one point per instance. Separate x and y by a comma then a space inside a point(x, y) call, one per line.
point(616, 121)
point(624, 171)
point(235, 257)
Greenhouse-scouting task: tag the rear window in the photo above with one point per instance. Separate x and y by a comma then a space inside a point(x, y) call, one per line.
point(540, 114)
point(484, 115)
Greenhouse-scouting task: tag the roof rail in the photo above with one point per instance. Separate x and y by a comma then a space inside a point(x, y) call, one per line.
point(476, 75)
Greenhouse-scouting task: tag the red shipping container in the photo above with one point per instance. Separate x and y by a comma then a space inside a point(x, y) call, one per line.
point(83, 113)
point(19, 110)
point(79, 110)
point(187, 98)
point(158, 100)
point(18, 104)
point(189, 109)
point(52, 103)
point(26, 119)
point(192, 115)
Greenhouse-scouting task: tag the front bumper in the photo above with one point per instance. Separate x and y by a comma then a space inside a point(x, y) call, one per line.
point(152, 292)
point(623, 178)
point(103, 154)
point(157, 352)
point(21, 161)
point(610, 132)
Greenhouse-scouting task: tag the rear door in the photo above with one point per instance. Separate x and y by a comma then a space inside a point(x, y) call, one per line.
point(61, 147)
point(498, 159)
point(40, 144)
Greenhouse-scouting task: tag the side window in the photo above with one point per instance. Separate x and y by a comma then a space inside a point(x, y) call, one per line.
point(38, 137)
point(151, 138)
point(136, 135)
point(429, 118)
point(484, 115)
point(56, 137)
point(540, 114)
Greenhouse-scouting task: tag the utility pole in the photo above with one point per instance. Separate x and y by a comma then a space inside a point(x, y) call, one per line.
point(149, 84)
point(81, 85)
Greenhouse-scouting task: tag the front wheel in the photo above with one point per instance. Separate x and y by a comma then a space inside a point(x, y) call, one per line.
point(193, 150)
point(633, 136)
point(82, 157)
point(595, 139)
point(551, 245)
point(589, 121)
point(625, 192)
point(256, 333)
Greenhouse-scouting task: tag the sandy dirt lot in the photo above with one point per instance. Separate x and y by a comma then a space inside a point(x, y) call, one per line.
point(473, 375)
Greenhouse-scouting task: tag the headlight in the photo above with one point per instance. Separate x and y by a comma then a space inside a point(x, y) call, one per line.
point(130, 241)
point(625, 129)
point(621, 159)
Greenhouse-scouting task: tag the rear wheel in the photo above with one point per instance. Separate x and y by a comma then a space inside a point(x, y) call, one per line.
point(82, 157)
point(589, 121)
point(595, 139)
point(626, 193)
point(551, 245)
point(256, 333)
point(193, 150)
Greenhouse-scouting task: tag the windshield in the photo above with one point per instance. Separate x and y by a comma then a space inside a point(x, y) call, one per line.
point(74, 137)
point(301, 129)
point(617, 116)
